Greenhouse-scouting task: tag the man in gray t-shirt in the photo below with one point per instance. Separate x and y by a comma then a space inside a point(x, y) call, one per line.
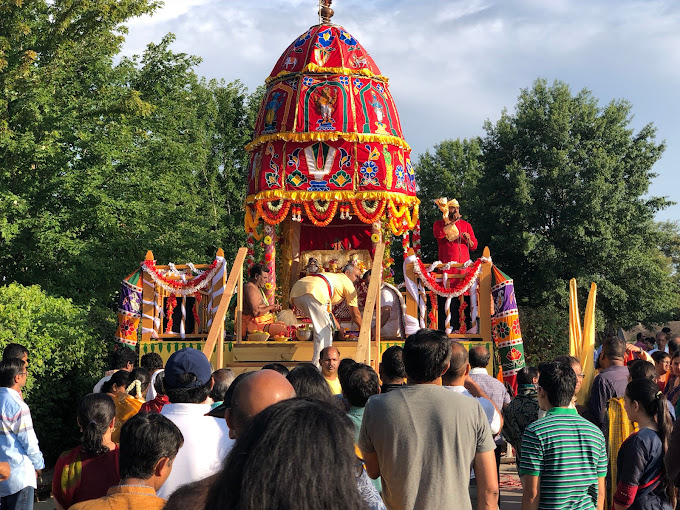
point(422, 439)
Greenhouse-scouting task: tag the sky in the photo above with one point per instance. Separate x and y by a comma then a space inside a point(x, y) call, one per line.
point(454, 64)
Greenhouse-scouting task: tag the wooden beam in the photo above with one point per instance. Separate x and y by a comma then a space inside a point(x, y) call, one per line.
point(148, 298)
point(485, 298)
point(363, 354)
point(217, 326)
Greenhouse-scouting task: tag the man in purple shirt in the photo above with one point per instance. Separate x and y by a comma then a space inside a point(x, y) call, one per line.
point(611, 382)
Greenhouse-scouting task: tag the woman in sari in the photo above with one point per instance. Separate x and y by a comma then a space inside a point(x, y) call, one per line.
point(642, 483)
point(129, 404)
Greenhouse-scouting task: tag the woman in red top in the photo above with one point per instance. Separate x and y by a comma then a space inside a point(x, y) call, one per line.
point(87, 471)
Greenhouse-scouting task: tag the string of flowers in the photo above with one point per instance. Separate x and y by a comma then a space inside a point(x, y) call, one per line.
point(461, 316)
point(170, 305)
point(325, 219)
point(460, 288)
point(252, 223)
point(194, 311)
point(401, 219)
point(176, 286)
point(277, 217)
point(432, 316)
point(367, 216)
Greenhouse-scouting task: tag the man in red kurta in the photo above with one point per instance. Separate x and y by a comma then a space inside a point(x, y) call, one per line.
point(455, 239)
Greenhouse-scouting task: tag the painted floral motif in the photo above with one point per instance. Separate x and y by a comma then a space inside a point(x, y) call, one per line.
point(325, 38)
point(294, 158)
point(401, 176)
point(303, 38)
point(344, 80)
point(296, 179)
point(127, 327)
point(340, 179)
point(348, 39)
point(379, 88)
point(514, 355)
point(308, 80)
point(515, 328)
point(369, 171)
point(502, 330)
point(358, 83)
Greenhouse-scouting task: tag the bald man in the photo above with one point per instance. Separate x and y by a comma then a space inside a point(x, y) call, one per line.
point(329, 359)
point(252, 395)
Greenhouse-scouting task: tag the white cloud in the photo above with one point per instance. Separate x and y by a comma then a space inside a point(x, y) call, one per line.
point(454, 63)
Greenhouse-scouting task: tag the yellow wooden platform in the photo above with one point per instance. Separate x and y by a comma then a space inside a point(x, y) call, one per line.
point(250, 356)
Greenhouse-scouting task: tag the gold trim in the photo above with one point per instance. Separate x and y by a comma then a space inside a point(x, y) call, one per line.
point(339, 196)
point(328, 136)
point(312, 68)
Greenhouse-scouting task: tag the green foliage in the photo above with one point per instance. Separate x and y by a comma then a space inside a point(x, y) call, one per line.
point(66, 357)
point(101, 162)
point(558, 189)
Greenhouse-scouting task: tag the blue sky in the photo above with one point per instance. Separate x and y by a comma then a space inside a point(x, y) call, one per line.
point(453, 64)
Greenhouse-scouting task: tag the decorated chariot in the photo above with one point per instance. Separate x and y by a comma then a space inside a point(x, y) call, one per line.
point(330, 178)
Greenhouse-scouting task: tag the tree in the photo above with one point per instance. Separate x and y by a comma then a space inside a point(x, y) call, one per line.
point(559, 190)
point(101, 162)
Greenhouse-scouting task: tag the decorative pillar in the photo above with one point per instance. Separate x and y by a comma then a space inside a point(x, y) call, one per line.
point(270, 259)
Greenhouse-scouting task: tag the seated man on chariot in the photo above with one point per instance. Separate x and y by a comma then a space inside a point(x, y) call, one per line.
point(258, 314)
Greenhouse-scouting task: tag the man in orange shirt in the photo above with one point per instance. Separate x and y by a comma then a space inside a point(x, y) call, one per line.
point(148, 445)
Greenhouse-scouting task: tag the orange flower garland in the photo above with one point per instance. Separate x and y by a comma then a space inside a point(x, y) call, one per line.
point(365, 216)
point(323, 220)
point(277, 217)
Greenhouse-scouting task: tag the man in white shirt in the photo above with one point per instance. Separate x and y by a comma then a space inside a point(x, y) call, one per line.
point(188, 381)
point(457, 379)
point(123, 358)
point(394, 321)
point(18, 443)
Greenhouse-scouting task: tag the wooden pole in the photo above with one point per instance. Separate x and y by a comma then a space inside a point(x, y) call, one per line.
point(217, 327)
point(484, 301)
point(363, 353)
point(239, 307)
point(411, 303)
point(148, 298)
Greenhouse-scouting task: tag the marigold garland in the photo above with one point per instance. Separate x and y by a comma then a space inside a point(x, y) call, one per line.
point(432, 316)
point(276, 218)
point(461, 316)
point(459, 289)
point(366, 216)
point(325, 219)
point(170, 305)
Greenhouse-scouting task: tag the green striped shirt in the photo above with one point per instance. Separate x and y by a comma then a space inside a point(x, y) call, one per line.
point(569, 454)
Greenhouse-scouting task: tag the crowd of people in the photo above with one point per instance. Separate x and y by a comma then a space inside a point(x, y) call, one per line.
point(426, 432)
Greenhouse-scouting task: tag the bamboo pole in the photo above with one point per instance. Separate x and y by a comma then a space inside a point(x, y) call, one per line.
point(217, 327)
point(363, 352)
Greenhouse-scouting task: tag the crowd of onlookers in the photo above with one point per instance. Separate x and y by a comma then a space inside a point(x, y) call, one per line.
point(426, 432)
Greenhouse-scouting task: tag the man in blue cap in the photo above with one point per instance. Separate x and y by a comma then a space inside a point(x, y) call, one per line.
point(188, 381)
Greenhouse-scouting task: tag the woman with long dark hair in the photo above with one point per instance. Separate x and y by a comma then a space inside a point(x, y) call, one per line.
point(641, 474)
point(282, 462)
point(116, 385)
point(131, 401)
point(87, 471)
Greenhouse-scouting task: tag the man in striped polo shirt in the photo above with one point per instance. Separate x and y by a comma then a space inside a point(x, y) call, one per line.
point(564, 457)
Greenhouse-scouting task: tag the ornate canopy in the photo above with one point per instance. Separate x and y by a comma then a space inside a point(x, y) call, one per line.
point(328, 139)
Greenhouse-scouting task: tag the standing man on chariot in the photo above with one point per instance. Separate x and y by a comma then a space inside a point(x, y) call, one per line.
point(317, 293)
point(258, 314)
point(455, 239)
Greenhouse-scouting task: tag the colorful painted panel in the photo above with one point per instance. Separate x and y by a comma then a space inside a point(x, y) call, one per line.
point(277, 113)
point(375, 111)
point(506, 331)
point(324, 106)
point(325, 46)
point(320, 166)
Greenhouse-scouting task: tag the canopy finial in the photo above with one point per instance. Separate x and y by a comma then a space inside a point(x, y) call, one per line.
point(325, 11)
